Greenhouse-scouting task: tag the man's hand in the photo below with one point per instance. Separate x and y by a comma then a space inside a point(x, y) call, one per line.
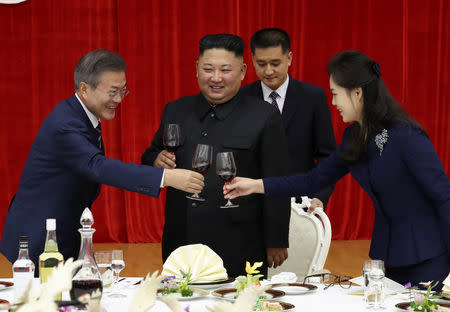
point(276, 256)
point(315, 202)
point(184, 180)
point(165, 160)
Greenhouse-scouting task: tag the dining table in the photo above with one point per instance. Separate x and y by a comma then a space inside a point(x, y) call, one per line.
point(335, 299)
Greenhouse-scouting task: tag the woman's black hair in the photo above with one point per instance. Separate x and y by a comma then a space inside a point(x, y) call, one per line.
point(351, 70)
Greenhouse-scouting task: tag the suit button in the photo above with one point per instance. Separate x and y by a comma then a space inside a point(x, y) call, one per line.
point(204, 133)
point(213, 115)
point(194, 205)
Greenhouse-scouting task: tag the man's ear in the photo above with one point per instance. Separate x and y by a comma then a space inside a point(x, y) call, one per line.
point(82, 90)
point(289, 58)
point(243, 70)
point(196, 69)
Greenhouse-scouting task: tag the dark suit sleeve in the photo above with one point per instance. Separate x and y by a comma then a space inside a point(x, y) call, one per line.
point(80, 155)
point(329, 171)
point(325, 142)
point(275, 161)
point(425, 165)
point(152, 152)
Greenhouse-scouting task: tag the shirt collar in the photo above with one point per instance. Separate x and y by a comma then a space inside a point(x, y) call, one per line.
point(94, 120)
point(281, 90)
point(221, 111)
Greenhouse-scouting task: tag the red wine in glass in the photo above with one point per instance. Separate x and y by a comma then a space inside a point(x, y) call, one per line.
point(226, 176)
point(171, 138)
point(201, 162)
point(202, 168)
point(81, 287)
point(226, 170)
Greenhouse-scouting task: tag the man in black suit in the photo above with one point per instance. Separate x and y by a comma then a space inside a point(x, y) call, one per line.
point(303, 106)
point(257, 230)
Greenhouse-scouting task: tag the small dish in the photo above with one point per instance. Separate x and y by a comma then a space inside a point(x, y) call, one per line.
point(294, 288)
point(198, 293)
point(230, 293)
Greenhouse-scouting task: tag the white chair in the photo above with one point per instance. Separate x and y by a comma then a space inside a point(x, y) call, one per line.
point(309, 241)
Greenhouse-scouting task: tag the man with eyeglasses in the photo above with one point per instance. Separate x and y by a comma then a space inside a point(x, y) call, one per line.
point(66, 165)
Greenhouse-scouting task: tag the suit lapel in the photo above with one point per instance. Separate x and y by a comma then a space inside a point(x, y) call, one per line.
point(290, 105)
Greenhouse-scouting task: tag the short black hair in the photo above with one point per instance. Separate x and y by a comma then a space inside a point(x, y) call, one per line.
point(90, 67)
point(270, 37)
point(228, 42)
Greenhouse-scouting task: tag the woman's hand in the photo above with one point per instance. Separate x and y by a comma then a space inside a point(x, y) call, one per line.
point(242, 186)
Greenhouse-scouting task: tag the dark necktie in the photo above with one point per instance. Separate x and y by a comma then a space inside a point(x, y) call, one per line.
point(99, 131)
point(274, 96)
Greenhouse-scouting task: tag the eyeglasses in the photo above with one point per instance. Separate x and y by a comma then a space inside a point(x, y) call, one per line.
point(343, 281)
point(113, 94)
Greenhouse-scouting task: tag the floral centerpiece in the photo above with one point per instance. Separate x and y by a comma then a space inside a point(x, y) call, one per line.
point(251, 279)
point(172, 285)
point(422, 302)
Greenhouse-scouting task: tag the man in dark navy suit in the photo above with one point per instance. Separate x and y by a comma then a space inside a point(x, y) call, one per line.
point(67, 164)
point(303, 107)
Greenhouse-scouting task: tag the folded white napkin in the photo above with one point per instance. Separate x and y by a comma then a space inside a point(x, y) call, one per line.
point(446, 288)
point(284, 277)
point(203, 263)
point(390, 286)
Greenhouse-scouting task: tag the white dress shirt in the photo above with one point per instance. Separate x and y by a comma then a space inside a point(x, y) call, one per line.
point(281, 93)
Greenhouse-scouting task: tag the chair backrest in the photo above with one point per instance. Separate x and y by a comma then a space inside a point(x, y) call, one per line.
point(309, 242)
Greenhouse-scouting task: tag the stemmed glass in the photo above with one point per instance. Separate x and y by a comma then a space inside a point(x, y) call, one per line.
point(117, 265)
point(201, 161)
point(226, 170)
point(171, 138)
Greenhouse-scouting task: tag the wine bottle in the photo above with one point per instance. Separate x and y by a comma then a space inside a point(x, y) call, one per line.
point(51, 257)
point(23, 267)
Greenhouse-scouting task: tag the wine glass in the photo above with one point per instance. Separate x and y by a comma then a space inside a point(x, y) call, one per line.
point(117, 265)
point(201, 161)
point(226, 170)
point(171, 138)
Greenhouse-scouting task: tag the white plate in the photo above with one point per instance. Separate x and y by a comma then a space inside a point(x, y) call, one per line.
point(198, 293)
point(214, 284)
point(294, 288)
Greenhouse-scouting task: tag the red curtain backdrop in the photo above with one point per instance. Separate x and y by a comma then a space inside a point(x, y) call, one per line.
point(41, 41)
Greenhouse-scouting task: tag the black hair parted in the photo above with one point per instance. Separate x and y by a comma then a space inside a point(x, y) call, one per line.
point(270, 37)
point(228, 42)
point(354, 69)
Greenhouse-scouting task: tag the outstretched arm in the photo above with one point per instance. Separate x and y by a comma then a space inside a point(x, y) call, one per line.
point(243, 186)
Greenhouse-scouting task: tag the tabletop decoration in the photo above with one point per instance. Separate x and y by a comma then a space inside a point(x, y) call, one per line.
point(446, 288)
point(171, 285)
point(245, 281)
point(42, 297)
point(422, 302)
point(145, 296)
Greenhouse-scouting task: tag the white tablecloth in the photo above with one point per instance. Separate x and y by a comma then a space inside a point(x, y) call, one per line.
point(334, 299)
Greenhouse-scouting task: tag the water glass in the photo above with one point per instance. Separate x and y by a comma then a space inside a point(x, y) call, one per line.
point(103, 259)
point(374, 291)
point(117, 265)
